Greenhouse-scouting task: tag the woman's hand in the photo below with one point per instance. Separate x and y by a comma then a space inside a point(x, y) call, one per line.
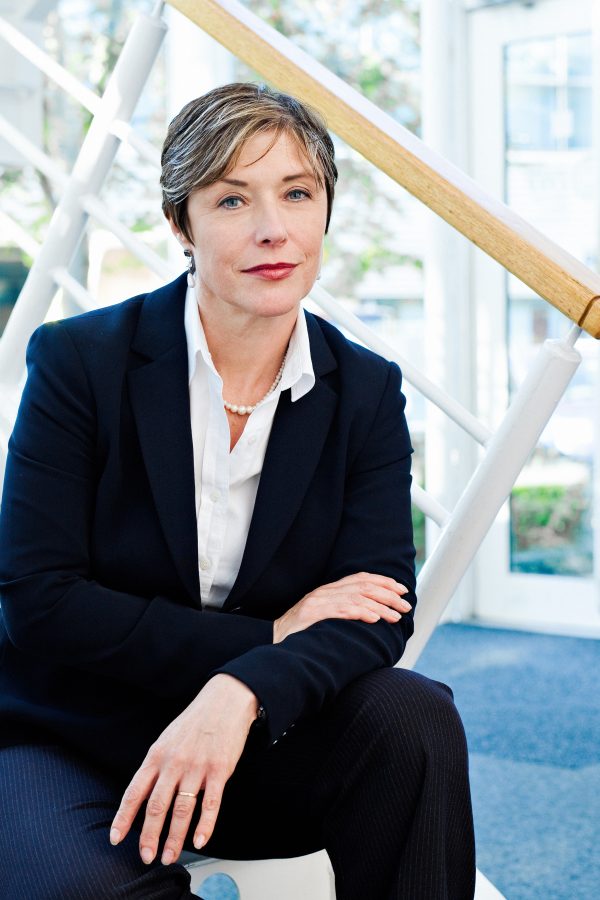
point(363, 596)
point(199, 749)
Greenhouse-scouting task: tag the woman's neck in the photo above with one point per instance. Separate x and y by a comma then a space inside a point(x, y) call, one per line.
point(247, 352)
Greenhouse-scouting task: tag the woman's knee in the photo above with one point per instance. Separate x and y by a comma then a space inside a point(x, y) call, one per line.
point(54, 835)
point(77, 871)
point(406, 709)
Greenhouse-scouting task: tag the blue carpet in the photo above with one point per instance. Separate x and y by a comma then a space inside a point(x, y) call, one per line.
point(531, 708)
point(219, 887)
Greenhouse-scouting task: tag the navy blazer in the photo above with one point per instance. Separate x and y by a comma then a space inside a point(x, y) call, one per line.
point(104, 639)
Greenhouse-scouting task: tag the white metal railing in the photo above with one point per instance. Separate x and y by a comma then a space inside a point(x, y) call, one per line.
point(20, 236)
point(91, 168)
point(87, 98)
point(453, 409)
point(89, 202)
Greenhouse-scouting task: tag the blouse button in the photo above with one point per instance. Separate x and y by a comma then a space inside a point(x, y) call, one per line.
point(215, 496)
point(205, 564)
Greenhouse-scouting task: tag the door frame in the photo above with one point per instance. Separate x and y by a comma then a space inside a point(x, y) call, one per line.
point(552, 603)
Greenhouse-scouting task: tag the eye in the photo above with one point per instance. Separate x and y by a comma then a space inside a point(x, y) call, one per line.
point(298, 191)
point(225, 202)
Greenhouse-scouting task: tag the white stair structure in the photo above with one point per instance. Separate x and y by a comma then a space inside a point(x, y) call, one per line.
point(545, 267)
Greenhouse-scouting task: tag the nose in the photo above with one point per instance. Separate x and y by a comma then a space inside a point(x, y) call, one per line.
point(270, 227)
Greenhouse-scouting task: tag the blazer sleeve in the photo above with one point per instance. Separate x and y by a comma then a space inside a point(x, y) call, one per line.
point(297, 676)
point(51, 605)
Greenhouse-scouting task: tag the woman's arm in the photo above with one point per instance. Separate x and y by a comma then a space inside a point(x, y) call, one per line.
point(51, 606)
point(309, 668)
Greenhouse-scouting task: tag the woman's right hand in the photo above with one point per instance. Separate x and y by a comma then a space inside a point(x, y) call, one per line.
point(363, 596)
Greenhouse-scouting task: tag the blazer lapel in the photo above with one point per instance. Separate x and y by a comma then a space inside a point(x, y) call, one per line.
point(297, 437)
point(160, 401)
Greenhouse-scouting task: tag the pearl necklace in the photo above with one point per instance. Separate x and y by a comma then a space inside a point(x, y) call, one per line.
point(245, 410)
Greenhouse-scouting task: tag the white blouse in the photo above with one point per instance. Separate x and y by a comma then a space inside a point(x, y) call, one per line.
point(227, 482)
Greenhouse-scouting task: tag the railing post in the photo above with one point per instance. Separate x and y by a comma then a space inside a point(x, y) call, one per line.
point(91, 168)
point(450, 457)
point(490, 485)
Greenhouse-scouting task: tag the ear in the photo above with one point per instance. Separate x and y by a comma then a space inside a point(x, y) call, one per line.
point(178, 235)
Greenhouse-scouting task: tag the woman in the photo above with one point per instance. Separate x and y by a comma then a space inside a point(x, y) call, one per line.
point(207, 566)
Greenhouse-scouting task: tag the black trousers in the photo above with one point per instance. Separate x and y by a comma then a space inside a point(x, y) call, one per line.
point(379, 779)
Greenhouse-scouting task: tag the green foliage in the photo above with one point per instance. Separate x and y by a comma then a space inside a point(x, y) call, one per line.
point(547, 514)
point(551, 530)
point(418, 520)
point(371, 44)
point(371, 80)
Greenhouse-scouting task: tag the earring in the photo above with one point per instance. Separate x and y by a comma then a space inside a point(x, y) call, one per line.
point(191, 268)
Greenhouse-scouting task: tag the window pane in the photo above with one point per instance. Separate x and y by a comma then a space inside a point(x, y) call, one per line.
point(551, 505)
point(529, 118)
point(580, 109)
point(551, 181)
point(580, 55)
point(529, 60)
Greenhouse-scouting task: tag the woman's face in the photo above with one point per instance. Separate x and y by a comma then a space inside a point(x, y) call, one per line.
point(268, 210)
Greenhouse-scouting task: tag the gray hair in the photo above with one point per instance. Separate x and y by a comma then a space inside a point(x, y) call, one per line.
point(205, 139)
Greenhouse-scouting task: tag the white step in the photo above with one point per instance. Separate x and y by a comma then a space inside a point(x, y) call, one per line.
point(295, 879)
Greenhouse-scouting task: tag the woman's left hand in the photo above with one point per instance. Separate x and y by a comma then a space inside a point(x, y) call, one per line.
point(199, 750)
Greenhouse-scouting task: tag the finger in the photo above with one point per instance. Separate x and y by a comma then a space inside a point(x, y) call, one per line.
point(362, 607)
point(384, 596)
point(183, 810)
point(363, 590)
point(390, 583)
point(374, 578)
point(369, 611)
point(211, 803)
point(357, 613)
point(135, 794)
point(157, 807)
point(384, 612)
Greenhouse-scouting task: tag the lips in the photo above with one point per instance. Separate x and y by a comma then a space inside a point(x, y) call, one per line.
point(275, 267)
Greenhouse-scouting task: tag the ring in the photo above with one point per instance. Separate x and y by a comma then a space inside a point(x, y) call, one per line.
point(186, 794)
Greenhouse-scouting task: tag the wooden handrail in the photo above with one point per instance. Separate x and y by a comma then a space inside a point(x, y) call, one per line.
point(536, 260)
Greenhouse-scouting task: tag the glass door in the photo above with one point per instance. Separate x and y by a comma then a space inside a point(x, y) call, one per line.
point(534, 142)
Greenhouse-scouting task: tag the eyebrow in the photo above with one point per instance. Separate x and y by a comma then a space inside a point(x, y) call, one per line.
point(287, 178)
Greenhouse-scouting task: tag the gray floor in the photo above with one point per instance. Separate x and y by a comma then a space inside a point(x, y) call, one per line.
point(531, 708)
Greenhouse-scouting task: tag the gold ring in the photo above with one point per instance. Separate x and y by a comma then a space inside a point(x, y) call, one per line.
point(186, 794)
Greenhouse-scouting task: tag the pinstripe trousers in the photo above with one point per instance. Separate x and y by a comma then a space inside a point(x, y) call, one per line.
point(379, 778)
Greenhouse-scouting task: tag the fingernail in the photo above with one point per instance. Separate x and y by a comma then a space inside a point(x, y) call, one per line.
point(115, 836)
point(199, 841)
point(168, 857)
point(147, 855)
point(406, 604)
